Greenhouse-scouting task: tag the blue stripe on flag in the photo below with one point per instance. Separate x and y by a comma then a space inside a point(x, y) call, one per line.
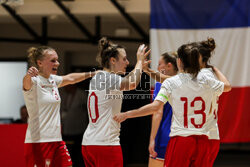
point(199, 14)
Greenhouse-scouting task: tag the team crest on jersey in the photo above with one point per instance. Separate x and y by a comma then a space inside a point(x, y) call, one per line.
point(47, 162)
point(48, 86)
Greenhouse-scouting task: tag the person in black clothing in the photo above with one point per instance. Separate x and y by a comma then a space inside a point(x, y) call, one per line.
point(24, 116)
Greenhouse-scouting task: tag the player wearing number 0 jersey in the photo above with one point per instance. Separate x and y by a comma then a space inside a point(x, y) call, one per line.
point(104, 101)
point(190, 94)
point(101, 143)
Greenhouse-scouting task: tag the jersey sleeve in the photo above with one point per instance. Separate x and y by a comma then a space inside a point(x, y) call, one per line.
point(209, 79)
point(164, 92)
point(216, 85)
point(156, 90)
point(208, 72)
point(58, 80)
point(34, 83)
point(161, 96)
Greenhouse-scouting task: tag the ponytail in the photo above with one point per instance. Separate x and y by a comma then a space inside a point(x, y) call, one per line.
point(189, 56)
point(35, 54)
point(107, 49)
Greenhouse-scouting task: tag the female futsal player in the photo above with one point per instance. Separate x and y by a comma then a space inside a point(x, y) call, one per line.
point(43, 142)
point(101, 143)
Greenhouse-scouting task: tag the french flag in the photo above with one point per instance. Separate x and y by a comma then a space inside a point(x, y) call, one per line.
point(175, 22)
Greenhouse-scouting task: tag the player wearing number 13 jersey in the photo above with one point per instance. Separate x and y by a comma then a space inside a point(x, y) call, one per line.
point(101, 143)
point(190, 94)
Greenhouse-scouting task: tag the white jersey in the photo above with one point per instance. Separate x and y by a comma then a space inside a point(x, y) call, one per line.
point(43, 105)
point(104, 101)
point(213, 130)
point(191, 100)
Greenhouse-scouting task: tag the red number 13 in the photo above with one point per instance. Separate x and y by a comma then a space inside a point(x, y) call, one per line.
point(201, 111)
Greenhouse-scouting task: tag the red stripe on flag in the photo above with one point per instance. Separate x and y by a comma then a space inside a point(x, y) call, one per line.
point(234, 116)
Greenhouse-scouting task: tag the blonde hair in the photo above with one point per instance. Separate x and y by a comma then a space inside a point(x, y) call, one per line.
point(37, 53)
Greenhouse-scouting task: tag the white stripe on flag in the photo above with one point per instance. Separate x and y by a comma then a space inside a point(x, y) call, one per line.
point(231, 53)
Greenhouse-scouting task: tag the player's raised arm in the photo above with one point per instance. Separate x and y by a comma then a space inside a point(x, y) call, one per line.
point(159, 77)
point(167, 67)
point(73, 78)
point(131, 81)
point(222, 78)
point(27, 83)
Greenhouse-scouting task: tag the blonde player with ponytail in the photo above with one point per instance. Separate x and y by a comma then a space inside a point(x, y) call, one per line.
point(43, 141)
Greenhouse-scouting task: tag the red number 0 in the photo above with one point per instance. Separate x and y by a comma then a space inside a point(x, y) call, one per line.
point(201, 111)
point(96, 108)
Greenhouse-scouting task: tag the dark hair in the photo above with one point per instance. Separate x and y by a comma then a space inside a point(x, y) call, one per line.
point(23, 106)
point(107, 49)
point(189, 54)
point(35, 54)
point(170, 57)
point(206, 48)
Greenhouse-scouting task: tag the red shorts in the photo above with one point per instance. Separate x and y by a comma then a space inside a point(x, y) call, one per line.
point(49, 154)
point(214, 149)
point(187, 151)
point(102, 156)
